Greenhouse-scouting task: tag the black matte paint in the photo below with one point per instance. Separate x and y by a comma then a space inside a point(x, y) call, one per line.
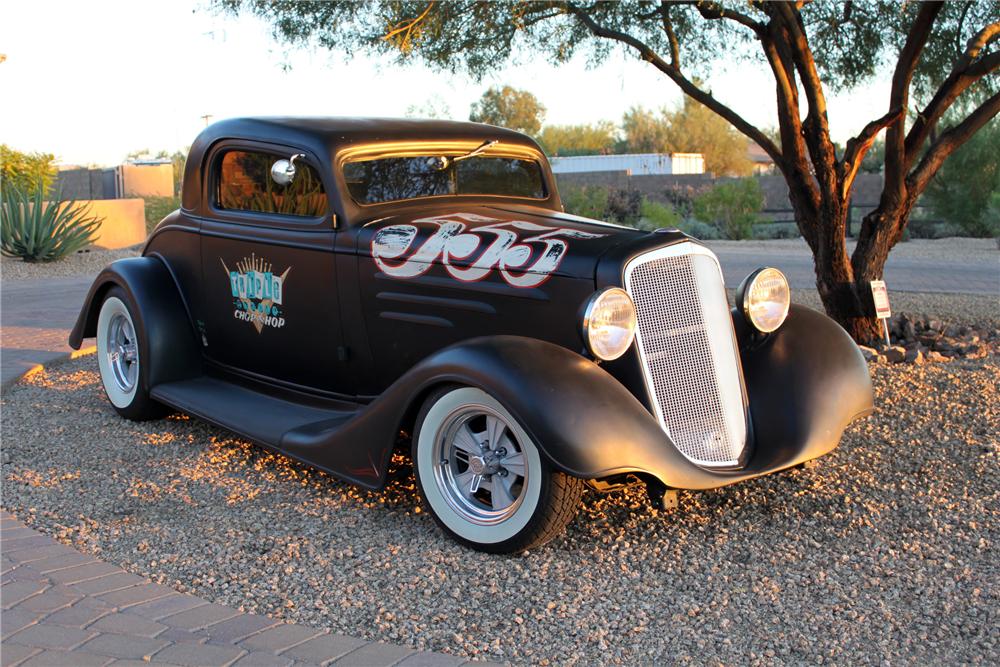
point(360, 349)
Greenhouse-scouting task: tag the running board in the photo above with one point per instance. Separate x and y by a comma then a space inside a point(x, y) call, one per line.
point(251, 414)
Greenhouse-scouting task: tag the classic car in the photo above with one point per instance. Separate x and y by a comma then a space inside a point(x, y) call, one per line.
point(335, 289)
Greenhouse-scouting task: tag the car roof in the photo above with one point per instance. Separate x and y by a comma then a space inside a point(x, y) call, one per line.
point(327, 136)
point(341, 132)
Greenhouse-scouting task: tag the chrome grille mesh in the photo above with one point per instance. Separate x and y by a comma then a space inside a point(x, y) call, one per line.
point(686, 344)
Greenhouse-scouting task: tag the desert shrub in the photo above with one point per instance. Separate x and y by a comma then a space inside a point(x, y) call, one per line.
point(775, 230)
point(700, 230)
point(732, 207)
point(26, 171)
point(157, 208)
point(681, 199)
point(589, 201)
point(39, 231)
point(657, 215)
point(625, 206)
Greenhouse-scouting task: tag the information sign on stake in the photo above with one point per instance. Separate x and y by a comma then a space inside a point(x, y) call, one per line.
point(880, 295)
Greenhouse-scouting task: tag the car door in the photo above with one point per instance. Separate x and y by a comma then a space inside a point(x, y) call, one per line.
point(268, 272)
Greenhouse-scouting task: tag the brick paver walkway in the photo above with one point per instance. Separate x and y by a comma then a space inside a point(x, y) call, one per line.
point(63, 607)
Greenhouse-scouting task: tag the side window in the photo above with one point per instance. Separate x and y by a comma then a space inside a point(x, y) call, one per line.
point(244, 183)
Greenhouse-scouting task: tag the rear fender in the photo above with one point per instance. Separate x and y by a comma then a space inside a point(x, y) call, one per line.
point(167, 339)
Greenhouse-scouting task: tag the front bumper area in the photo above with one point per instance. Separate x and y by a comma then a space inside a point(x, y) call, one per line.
point(805, 384)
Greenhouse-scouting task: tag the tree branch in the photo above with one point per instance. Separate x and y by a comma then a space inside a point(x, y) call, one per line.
point(668, 27)
point(858, 146)
point(909, 56)
point(949, 142)
point(406, 28)
point(674, 74)
point(713, 11)
point(821, 149)
point(966, 71)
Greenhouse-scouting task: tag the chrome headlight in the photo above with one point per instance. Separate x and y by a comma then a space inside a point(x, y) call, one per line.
point(764, 297)
point(609, 323)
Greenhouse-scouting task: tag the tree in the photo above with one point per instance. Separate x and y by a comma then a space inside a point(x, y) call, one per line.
point(27, 172)
point(696, 129)
point(644, 131)
point(566, 140)
point(511, 108)
point(938, 51)
point(692, 128)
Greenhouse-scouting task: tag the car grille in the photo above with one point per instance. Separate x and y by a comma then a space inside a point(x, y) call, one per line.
point(688, 351)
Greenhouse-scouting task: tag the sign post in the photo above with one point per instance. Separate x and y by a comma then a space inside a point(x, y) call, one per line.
point(880, 295)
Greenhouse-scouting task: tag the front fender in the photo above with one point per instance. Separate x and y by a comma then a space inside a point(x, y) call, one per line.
point(167, 339)
point(806, 383)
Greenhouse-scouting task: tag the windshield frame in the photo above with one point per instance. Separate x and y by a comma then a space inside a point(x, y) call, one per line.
point(451, 149)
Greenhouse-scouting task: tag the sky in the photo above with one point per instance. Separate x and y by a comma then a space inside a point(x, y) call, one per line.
point(93, 81)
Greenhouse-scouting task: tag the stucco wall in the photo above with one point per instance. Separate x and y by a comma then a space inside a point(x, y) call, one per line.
point(124, 222)
point(147, 180)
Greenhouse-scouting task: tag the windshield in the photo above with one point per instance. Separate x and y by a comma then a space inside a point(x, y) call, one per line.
point(396, 178)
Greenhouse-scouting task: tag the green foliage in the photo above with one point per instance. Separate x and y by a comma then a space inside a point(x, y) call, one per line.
point(700, 230)
point(775, 230)
point(26, 171)
point(732, 207)
point(567, 140)
point(157, 208)
point(645, 131)
point(511, 108)
point(589, 201)
point(39, 231)
point(659, 215)
point(967, 183)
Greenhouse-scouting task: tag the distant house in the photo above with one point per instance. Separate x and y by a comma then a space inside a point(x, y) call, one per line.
point(636, 164)
point(759, 159)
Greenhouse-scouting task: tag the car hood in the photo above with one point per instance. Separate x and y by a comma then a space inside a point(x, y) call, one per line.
point(526, 244)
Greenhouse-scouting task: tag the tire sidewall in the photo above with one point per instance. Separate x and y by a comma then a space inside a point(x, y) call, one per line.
point(115, 304)
point(497, 537)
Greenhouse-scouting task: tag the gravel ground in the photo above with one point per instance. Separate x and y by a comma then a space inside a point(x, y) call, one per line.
point(83, 263)
point(884, 553)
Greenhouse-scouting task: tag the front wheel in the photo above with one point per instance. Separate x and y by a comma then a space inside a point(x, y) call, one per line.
point(483, 477)
point(120, 358)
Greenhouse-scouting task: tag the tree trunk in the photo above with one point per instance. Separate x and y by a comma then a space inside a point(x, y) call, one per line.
point(843, 282)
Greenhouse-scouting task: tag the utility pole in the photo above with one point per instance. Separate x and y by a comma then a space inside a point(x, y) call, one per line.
point(206, 118)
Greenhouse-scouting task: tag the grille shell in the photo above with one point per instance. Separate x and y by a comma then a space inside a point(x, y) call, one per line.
point(688, 352)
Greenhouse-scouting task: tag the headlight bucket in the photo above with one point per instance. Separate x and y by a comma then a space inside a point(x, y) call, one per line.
point(609, 322)
point(764, 298)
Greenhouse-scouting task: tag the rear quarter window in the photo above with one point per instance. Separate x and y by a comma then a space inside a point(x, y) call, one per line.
point(243, 183)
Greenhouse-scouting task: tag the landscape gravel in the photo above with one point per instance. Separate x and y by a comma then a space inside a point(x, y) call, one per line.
point(885, 553)
point(82, 263)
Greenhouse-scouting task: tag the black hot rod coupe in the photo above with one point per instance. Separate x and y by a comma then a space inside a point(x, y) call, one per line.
point(330, 284)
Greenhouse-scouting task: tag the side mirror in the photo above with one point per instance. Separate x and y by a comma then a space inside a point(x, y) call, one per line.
point(283, 171)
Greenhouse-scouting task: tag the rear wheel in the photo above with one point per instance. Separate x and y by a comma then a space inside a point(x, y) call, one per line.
point(484, 479)
point(119, 357)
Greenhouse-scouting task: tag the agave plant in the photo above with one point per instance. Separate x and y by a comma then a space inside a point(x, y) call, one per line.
point(39, 231)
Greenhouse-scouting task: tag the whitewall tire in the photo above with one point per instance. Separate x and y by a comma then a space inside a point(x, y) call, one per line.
point(483, 478)
point(120, 359)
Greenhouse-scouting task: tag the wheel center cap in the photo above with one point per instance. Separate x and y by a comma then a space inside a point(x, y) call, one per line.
point(477, 465)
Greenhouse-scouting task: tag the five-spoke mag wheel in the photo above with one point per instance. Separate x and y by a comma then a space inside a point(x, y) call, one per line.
point(119, 356)
point(483, 477)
